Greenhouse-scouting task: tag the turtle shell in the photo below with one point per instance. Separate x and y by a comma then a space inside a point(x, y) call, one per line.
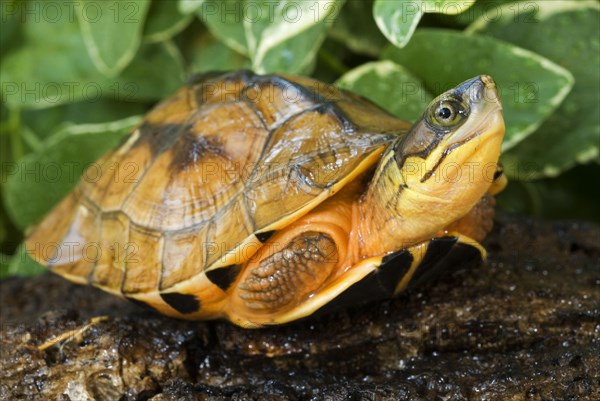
point(209, 174)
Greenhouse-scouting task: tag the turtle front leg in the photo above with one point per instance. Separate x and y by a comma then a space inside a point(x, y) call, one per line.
point(289, 275)
point(284, 279)
point(277, 284)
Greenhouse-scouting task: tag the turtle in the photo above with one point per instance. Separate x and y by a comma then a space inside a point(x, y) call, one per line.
point(264, 199)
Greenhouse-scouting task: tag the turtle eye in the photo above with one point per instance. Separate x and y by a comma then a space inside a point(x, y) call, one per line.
point(447, 113)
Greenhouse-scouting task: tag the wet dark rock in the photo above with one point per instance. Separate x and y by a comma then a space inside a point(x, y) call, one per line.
point(524, 326)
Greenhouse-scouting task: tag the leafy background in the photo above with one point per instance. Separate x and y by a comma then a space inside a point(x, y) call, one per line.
point(76, 76)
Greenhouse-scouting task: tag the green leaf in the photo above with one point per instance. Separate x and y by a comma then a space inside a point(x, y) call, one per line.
point(281, 36)
point(39, 180)
point(164, 21)
point(30, 75)
point(224, 19)
point(288, 40)
point(568, 33)
point(12, 144)
point(30, 140)
point(10, 236)
point(531, 86)
point(481, 9)
point(3, 228)
point(359, 33)
point(189, 6)
point(44, 122)
point(391, 86)
point(208, 54)
point(10, 15)
point(398, 20)
point(112, 31)
point(4, 262)
point(33, 76)
point(20, 264)
point(139, 82)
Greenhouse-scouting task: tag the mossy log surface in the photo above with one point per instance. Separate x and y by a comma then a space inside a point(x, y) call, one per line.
point(523, 326)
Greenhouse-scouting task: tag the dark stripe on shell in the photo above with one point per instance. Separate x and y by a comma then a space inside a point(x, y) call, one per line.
point(259, 83)
point(190, 149)
point(245, 76)
point(182, 303)
point(444, 255)
point(223, 277)
point(209, 79)
point(199, 78)
point(283, 83)
point(322, 105)
point(140, 303)
point(264, 236)
point(331, 108)
point(375, 286)
point(158, 137)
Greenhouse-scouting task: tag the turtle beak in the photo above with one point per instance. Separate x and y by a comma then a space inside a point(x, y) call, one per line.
point(478, 90)
point(485, 119)
point(490, 91)
point(491, 116)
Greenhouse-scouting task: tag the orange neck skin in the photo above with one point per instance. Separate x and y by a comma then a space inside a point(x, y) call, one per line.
point(361, 226)
point(369, 235)
point(356, 238)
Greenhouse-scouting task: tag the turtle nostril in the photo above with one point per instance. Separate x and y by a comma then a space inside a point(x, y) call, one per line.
point(488, 81)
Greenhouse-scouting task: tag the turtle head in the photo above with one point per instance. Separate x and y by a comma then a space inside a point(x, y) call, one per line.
point(452, 151)
point(442, 167)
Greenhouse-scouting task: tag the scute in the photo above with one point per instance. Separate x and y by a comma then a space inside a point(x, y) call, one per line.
point(114, 250)
point(144, 262)
point(226, 157)
point(276, 100)
point(184, 255)
point(201, 172)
